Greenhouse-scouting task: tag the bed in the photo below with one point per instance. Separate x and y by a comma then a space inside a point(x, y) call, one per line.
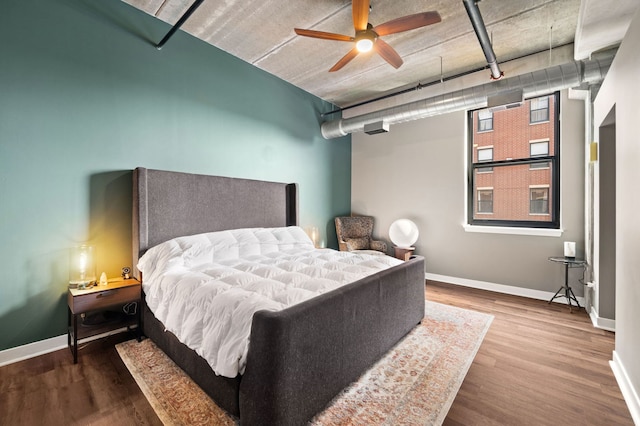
point(301, 357)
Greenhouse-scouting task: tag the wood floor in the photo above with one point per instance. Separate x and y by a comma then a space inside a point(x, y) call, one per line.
point(538, 365)
point(51, 390)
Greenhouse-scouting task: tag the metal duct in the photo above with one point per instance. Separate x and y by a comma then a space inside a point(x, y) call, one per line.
point(481, 31)
point(536, 83)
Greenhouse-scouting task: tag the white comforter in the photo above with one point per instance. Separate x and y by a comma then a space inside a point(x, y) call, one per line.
point(205, 288)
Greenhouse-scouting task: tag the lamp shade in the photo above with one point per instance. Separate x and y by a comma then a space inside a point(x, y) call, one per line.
point(403, 233)
point(314, 234)
point(82, 267)
point(570, 249)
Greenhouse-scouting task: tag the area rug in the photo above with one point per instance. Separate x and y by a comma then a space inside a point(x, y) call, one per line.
point(413, 384)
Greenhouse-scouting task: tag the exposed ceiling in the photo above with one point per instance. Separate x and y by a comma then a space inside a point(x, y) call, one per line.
point(261, 33)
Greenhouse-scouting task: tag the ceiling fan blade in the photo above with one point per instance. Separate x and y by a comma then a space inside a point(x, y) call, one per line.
point(323, 35)
point(360, 10)
point(345, 60)
point(407, 23)
point(388, 53)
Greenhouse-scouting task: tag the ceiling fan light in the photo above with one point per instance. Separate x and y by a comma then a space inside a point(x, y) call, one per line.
point(364, 45)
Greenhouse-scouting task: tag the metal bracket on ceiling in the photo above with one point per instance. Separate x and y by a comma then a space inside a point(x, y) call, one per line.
point(178, 24)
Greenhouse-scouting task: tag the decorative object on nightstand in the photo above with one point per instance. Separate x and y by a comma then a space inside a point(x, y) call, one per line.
point(117, 304)
point(403, 233)
point(82, 267)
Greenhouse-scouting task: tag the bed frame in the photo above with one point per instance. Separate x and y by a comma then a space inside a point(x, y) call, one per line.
point(299, 358)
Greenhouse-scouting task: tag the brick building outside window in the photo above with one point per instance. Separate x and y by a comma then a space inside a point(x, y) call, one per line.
point(514, 164)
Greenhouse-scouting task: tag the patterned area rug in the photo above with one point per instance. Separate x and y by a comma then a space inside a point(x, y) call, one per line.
point(413, 384)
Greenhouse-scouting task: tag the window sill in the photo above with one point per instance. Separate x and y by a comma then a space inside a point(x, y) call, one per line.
point(540, 232)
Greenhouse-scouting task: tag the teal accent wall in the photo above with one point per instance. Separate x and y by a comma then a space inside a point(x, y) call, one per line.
point(85, 98)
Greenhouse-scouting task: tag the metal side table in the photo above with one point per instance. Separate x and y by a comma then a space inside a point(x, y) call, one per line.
point(565, 290)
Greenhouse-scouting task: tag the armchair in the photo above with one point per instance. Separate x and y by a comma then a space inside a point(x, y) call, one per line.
point(355, 233)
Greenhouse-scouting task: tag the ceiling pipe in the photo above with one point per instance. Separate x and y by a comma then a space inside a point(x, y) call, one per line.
point(483, 37)
point(178, 24)
point(420, 86)
point(536, 83)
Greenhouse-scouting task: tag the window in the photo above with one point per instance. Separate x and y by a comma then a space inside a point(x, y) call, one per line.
point(514, 171)
point(539, 110)
point(539, 201)
point(485, 154)
point(539, 149)
point(485, 120)
point(485, 200)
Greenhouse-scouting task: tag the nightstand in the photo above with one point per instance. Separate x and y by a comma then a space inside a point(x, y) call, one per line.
point(404, 253)
point(122, 298)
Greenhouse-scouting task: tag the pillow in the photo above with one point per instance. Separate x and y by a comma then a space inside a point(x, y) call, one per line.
point(195, 250)
point(357, 243)
point(156, 260)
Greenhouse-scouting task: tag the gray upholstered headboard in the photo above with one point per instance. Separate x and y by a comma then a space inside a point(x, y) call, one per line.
point(167, 205)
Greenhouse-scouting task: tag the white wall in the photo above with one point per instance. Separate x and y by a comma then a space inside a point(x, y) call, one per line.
point(621, 90)
point(417, 171)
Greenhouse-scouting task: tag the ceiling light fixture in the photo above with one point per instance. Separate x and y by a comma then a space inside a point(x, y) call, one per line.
point(364, 45)
point(367, 36)
point(365, 40)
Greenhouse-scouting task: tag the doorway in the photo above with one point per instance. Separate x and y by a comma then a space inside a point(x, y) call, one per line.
point(606, 222)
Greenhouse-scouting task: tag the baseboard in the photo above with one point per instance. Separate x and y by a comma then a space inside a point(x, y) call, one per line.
point(41, 347)
point(626, 387)
point(603, 323)
point(500, 288)
point(30, 350)
point(597, 321)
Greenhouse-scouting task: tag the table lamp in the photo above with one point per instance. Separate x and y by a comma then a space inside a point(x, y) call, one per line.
point(82, 267)
point(403, 233)
point(314, 234)
point(570, 249)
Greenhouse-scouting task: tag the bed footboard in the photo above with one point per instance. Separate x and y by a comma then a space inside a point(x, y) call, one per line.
point(300, 358)
point(223, 390)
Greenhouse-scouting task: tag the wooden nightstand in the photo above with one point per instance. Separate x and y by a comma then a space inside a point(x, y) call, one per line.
point(117, 295)
point(404, 253)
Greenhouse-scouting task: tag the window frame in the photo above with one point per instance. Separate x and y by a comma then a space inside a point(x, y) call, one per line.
point(478, 191)
point(536, 110)
point(485, 120)
point(484, 148)
point(538, 166)
point(533, 188)
point(554, 186)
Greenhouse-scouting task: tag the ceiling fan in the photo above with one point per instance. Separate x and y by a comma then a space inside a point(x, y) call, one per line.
point(367, 36)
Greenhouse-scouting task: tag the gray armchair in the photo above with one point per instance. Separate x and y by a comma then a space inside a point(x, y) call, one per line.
point(355, 233)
